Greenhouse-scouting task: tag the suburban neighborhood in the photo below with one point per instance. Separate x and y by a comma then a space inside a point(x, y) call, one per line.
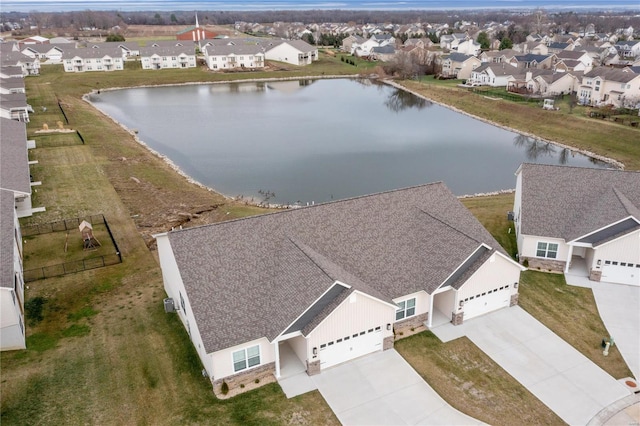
point(129, 293)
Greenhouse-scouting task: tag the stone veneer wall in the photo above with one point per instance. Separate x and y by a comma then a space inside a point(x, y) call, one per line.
point(457, 319)
point(545, 265)
point(313, 367)
point(387, 343)
point(595, 275)
point(246, 377)
point(514, 299)
point(406, 325)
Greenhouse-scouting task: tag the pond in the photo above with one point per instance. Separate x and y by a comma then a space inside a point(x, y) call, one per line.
point(305, 141)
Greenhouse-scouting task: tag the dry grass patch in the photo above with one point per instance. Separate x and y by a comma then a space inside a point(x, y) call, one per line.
point(492, 211)
point(472, 382)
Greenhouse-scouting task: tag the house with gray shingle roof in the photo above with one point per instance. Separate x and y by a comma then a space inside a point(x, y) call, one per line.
point(93, 59)
point(14, 164)
point(295, 52)
point(610, 86)
point(234, 54)
point(156, 58)
point(330, 282)
point(581, 221)
point(459, 65)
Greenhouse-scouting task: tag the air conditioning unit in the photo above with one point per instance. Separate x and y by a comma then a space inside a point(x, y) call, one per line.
point(510, 216)
point(169, 305)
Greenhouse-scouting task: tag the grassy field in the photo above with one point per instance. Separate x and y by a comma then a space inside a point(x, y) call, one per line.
point(105, 352)
point(574, 129)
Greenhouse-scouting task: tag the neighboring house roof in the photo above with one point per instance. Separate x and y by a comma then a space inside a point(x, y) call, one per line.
point(611, 74)
point(90, 53)
point(168, 51)
point(14, 161)
point(570, 54)
point(459, 57)
point(498, 69)
point(299, 45)
point(253, 277)
point(12, 83)
point(384, 50)
point(7, 238)
point(530, 57)
point(571, 202)
point(237, 49)
point(11, 71)
point(558, 45)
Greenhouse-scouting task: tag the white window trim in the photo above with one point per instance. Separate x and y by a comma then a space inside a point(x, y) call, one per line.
point(546, 250)
point(404, 309)
point(246, 358)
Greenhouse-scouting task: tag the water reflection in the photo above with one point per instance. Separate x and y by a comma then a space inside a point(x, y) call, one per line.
point(400, 100)
point(534, 148)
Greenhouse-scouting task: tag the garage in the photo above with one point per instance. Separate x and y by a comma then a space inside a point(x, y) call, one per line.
point(349, 347)
point(486, 302)
point(621, 272)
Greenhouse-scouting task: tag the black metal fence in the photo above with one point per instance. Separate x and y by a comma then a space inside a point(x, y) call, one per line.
point(72, 267)
point(77, 265)
point(61, 225)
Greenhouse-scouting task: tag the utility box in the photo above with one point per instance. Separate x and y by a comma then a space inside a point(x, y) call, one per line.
point(169, 306)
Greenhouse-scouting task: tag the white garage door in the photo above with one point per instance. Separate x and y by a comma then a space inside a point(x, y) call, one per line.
point(621, 272)
point(486, 302)
point(350, 347)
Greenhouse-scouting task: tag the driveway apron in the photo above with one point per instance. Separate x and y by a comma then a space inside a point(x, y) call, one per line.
point(383, 389)
point(619, 308)
point(561, 377)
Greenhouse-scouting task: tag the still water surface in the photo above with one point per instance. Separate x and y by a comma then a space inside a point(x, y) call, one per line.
point(318, 140)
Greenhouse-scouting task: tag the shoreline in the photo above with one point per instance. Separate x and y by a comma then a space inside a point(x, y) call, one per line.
point(617, 164)
point(188, 178)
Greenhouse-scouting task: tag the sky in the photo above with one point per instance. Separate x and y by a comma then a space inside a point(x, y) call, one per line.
point(122, 5)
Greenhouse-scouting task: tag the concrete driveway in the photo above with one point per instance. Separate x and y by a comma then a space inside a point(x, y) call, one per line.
point(383, 389)
point(619, 308)
point(561, 377)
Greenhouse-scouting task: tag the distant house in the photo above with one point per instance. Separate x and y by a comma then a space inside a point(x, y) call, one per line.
point(14, 106)
point(468, 47)
point(331, 282)
point(459, 65)
point(234, 55)
point(383, 53)
point(45, 52)
point(529, 60)
point(628, 49)
point(351, 42)
point(295, 52)
point(11, 85)
point(89, 60)
point(583, 58)
point(29, 66)
point(156, 58)
point(34, 40)
point(610, 86)
point(579, 220)
point(544, 82)
point(493, 74)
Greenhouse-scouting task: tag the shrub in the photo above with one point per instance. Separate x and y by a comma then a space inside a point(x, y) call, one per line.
point(257, 381)
point(33, 309)
point(525, 263)
point(224, 388)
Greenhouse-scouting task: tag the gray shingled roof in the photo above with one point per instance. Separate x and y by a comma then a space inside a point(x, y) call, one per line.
point(612, 74)
point(188, 50)
point(90, 52)
point(570, 202)
point(14, 161)
point(7, 208)
point(253, 277)
point(12, 83)
point(237, 49)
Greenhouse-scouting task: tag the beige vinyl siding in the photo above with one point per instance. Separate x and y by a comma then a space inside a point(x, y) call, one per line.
point(300, 347)
point(223, 360)
point(530, 246)
point(174, 287)
point(491, 276)
point(422, 302)
point(356, 313)
point(445, 302)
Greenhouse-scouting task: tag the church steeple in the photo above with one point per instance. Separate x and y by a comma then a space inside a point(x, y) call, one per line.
point(197, 26)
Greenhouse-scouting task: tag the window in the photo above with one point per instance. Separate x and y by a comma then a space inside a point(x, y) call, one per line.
point(548, 250)
point(246, 358)
point(406, 308)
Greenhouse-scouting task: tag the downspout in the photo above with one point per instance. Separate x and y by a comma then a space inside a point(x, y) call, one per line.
point(430, 321)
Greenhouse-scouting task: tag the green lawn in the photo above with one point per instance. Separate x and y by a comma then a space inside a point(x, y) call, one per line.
point(105, 352)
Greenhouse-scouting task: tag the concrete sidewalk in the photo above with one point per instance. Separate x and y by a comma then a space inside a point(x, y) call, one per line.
point(383, 389)
point(619, 308)
point(561, 377)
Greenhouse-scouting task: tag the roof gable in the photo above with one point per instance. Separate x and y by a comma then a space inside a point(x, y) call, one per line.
point(386, 245)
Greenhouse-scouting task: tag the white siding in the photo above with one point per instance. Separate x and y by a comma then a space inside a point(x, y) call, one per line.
point(444, 302)
point(223, 360)
point(301, 347)
point(423, 301)
point(11, 323)
point(174, 287)
point(358, 312)
point(490, 276)
point(530, 245)
point(625, 249)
